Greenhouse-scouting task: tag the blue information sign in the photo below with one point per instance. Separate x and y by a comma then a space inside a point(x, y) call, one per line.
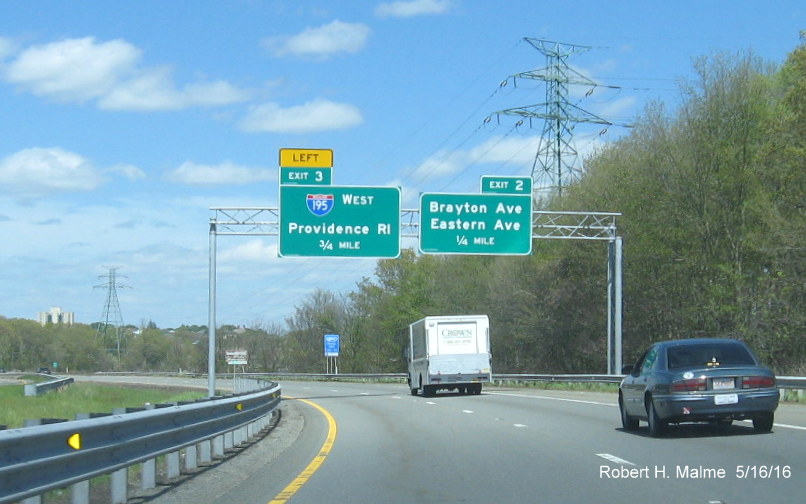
point(331, 345)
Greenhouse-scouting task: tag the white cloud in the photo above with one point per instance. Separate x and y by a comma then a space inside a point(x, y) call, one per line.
point(317, 115)
point(321, 42)
point(616, 110)
point(411, 8)
point(131, 172)
point(6, 48)
point(515, 150)
point(226, 173)
point(36, 171)
point(256, 250)
point(154, 90)
point(73, 69)
point(79, 70)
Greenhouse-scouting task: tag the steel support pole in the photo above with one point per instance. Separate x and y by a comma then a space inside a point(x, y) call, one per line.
point(611, 298)
point(211, 349)
point(618, 304)
point(614, 304)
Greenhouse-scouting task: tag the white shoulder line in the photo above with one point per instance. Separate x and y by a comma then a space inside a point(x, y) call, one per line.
point(553, 398)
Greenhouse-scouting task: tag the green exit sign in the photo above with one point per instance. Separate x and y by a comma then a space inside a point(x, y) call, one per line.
point(506, 185)
point(306, 176)
point(485, 224)
point(339, 221)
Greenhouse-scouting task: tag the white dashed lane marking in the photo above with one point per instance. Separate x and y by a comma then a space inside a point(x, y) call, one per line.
point(613, 458)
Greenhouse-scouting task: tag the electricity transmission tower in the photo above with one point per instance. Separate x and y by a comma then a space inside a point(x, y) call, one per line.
point(555, 165)
point(110, 327)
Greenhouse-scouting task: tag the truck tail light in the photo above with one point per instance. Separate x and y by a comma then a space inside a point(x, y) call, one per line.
point(750, 382)
point(692, 385)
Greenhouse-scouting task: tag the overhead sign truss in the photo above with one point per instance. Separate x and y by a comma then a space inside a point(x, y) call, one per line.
point(265, 221)
point(318, 219)
point(574, 225)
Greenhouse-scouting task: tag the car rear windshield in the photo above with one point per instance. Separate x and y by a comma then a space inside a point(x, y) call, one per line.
point(709, 355)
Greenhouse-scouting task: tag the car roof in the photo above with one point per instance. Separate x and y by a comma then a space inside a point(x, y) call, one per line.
point(698, 341)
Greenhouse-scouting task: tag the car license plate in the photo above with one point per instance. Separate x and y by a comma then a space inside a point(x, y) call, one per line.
point(723, 383)
point(726, 399)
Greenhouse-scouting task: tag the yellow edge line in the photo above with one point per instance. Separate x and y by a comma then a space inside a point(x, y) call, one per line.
point(317, 461)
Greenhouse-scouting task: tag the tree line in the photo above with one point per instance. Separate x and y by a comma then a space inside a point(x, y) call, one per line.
point(713, 197)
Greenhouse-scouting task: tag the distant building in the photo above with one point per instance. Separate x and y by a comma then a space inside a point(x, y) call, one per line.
point(56, 316)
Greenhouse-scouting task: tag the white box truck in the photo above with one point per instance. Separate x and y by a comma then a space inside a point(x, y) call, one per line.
point(450, 352)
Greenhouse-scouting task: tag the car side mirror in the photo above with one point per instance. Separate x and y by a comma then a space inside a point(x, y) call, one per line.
point(627, 369)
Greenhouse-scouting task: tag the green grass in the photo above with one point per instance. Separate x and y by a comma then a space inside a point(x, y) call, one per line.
point(81, 398)
point(575, 386)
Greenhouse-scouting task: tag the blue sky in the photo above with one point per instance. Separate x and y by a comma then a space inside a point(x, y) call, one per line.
point(122, 123)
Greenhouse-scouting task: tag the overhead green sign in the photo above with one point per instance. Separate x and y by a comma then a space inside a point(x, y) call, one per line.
point(486, 224)
point(506, 185)
point(306, 176)
point(339, 221)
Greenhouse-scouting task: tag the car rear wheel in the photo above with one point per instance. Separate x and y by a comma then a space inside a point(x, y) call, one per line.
point(629, 423)
point(656, 425)
point(764, 422)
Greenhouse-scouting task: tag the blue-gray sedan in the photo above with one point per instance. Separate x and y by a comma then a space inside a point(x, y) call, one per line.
point(697, 380)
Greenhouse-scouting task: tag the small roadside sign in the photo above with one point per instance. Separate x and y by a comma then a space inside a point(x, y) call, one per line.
point(236, 357)
point(332, 342)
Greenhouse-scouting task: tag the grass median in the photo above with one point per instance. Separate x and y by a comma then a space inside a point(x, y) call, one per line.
point(82, 398)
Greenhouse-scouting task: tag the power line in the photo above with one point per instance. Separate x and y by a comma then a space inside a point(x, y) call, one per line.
point(555, 164)
point(110, 327)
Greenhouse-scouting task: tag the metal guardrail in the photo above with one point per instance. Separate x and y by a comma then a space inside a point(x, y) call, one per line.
point(34, 389)
point(34, 460)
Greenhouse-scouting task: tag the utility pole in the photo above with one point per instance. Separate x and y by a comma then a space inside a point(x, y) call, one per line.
point(555, 165)
point(110, 327)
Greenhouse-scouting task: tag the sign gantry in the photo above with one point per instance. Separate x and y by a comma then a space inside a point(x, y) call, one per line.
point(318, 219)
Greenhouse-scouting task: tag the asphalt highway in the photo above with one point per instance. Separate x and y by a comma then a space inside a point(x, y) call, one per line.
point(374, 443)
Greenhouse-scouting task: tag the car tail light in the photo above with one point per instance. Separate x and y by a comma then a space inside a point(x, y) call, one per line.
point(692, 385)
point(749, 382)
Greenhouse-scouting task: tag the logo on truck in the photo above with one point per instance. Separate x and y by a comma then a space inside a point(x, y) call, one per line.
point(457, 333)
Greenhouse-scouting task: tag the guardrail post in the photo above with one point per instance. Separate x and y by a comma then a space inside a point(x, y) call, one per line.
point(172, 465)
point(80, 493)
point(204, 452)
point(191, 458)
point(119, 486)
point(218, 446)
point(148, 477)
